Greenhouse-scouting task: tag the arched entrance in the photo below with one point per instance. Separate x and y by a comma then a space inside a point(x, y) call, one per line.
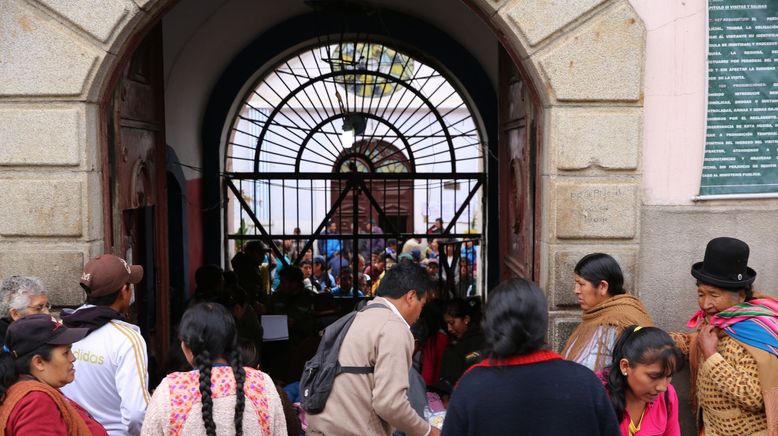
point(584, 59)
point(348, 131)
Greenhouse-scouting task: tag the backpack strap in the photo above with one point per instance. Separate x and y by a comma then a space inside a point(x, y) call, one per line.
point(362, 369)
point(357, 369)
point(373, 306)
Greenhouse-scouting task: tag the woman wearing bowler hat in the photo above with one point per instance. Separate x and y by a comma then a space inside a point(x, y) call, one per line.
point(35, 362)
point(734, 353)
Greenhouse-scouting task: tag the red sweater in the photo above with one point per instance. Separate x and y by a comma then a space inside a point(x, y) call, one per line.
point(432, 357)
point(37, 414)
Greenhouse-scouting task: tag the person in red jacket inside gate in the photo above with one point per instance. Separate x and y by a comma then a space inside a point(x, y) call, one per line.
point(35, 362)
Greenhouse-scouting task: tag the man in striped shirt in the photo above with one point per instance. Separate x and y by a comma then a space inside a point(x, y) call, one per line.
point(111, 361)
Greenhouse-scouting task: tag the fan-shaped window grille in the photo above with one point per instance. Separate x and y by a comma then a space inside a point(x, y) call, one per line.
point(348, 133)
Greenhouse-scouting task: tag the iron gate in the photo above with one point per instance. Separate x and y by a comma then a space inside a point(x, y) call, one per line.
point(349, 132)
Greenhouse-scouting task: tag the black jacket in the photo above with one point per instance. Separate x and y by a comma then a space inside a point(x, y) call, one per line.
point(461, 354)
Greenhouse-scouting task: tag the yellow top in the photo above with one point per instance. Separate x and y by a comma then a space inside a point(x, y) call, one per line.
point(633, 429)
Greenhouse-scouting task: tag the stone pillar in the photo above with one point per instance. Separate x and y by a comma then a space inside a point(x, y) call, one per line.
point(586, 59)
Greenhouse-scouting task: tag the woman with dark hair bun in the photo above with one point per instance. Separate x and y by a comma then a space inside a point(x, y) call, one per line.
point(232, 399)
point(521, 388)
point(638, 382)
point(607, 310)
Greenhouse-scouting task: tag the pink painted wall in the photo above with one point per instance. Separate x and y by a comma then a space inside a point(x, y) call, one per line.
point(674, 108)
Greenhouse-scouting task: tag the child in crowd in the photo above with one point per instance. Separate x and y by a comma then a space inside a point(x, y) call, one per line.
point(638, 382)
point(462, 318)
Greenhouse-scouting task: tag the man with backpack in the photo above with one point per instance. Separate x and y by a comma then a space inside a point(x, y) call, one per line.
point(375, 401)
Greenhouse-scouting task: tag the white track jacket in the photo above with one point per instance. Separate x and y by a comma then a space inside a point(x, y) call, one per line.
point(112, 377)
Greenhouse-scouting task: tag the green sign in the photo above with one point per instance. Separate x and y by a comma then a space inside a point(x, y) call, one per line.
point(741, 137)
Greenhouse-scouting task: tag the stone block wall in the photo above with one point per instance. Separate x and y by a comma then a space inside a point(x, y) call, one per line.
point(586, 57)
point(56, 56)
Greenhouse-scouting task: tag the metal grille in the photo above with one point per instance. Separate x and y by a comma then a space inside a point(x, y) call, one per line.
point(350, 132)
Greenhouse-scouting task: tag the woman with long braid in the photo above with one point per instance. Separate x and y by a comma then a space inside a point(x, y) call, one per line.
point(232, 399)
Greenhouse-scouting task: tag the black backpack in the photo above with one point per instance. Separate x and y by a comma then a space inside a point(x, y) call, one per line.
point(320, 372)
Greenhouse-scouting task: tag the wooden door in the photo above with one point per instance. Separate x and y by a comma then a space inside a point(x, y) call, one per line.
point(517, 173)
point(394, 197)
point(136, 168)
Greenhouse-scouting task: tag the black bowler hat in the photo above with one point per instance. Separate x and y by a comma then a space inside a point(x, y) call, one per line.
point(27, 334)
point(725, 264)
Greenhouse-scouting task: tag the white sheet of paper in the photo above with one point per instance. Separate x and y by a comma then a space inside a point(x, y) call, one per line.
point(275, 328)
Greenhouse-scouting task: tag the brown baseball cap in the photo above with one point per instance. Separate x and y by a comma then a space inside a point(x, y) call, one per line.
point(106, 274)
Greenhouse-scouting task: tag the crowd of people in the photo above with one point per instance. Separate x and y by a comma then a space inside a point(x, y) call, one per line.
point(331, 265)
point(429, 363)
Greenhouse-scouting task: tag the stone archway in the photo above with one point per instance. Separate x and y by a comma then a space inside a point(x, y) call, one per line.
point(59, 58)
point(587, 60)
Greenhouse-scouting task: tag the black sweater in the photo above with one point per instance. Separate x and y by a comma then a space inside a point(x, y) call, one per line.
point(461, 354)
point(547, 398)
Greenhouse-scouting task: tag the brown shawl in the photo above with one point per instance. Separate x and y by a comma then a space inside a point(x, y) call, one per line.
point(619, 311)
point(73, 421)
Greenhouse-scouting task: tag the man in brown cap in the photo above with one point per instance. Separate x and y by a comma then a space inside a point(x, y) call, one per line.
point(111, 361)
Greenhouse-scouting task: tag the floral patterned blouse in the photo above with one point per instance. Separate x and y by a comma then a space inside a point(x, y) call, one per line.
point(175, 407)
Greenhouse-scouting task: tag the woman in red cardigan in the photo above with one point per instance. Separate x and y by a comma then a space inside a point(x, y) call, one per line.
point(35, 362)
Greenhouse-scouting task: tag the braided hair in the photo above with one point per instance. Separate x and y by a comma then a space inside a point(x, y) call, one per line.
point(240, 398)
point(639, 345)
point(208, 329)
point(203, 363)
